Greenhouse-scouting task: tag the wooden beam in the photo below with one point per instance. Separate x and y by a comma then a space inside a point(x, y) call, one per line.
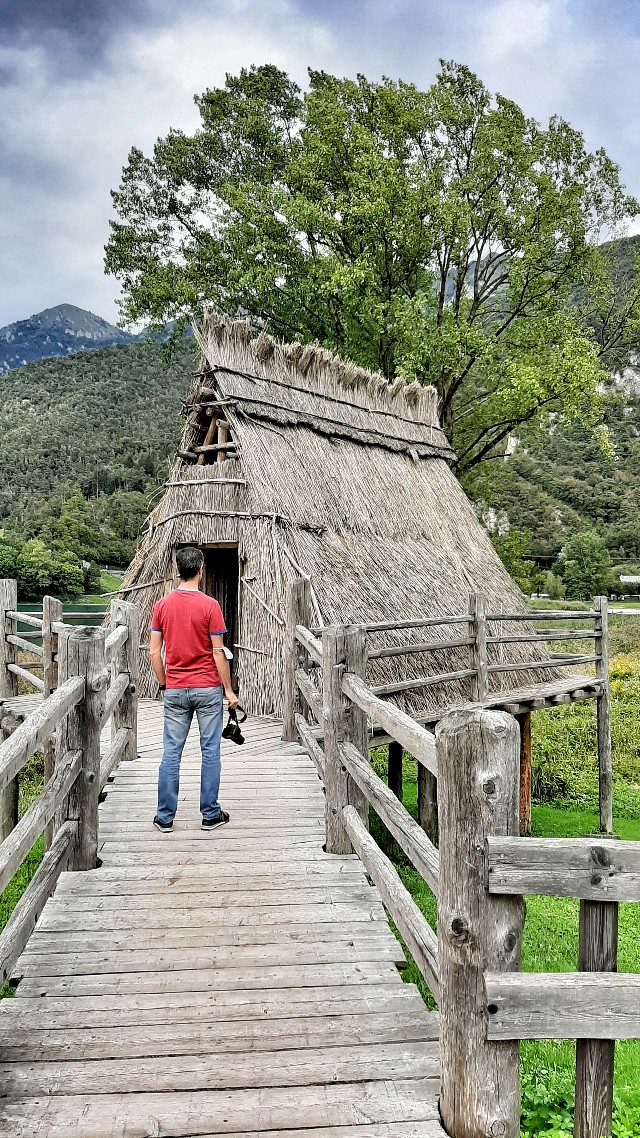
point(37, 727)
point(595, 1057)
point(478, 796)
point(309, 642)
point(411, 839)
point(298, 614)
point(603, 711)
point(415, 739)
point(310, 693)
point(395, 784)
point(333, 709)
point(478, 653)
point(592, 869)
point(557, 1005)
point(412, 925)
point(16, 846)
point(524, 723)
point(313, 749)
point(8, 654)
point(125, 659)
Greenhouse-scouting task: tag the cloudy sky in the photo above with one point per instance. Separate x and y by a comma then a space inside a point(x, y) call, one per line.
point(81, 81)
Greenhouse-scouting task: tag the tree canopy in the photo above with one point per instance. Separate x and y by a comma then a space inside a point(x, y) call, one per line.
point(439, 234)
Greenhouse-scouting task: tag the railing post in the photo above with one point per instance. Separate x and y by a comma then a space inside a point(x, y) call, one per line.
point(8, 652)
point(298, 612)
point(478, 650)
point(428, 803)
point(355, 726)
point(51, 611)
point(395, 784)
point(595, 1057)
point(333, 708)
point(477, 931)
point(125, 713)
point(8, 688)
point(81, 653)
point(603, 713)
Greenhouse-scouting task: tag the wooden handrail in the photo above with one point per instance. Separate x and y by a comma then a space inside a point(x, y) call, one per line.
point(556, 1005)
point(112, 757)
point(16, 846)
point(115, 692)
point(311, 695)
point(26, 645)
point(24, 618)
point(309, 641)
point(591, 869)
point(38, 727)
point(412, 649)
point(422, 854)
point(115, 641)
point(415, 739)
point(411, 923)
point(27, 676)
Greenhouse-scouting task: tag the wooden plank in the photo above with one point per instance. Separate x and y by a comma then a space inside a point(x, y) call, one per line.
point(27, 645)
point(478, 796)
point(61, 1014)
point(19, 927)
point(29, 618)
point(16, 846)
point(552, 1005)
point(412, 840)
point(37, 728)
point(210, 978)
point(414, 738)
point(27, 676)
point(261, 1069)
point(412, 925)
point(209, 1037)
point(206, 898)
point(137, 880)
point(237, 1112)
point(593, 869)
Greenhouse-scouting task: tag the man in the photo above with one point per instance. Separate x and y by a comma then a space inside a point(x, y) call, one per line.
point(195, 671)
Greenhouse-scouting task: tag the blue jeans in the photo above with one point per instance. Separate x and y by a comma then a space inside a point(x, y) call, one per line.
point(179, 706)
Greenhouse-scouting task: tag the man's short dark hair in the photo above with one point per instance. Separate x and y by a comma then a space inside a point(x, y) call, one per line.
point(189, 562)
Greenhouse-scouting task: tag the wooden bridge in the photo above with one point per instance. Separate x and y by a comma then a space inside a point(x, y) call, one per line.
point(247, 981)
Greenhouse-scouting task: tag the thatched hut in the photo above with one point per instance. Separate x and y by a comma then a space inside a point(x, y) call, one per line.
point(293, 463)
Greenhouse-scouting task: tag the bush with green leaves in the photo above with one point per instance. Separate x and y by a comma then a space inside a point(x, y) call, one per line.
point(585, 566)
point(39, 570)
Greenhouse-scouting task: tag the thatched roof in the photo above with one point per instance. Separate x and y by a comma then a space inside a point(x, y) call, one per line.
point(340, 476)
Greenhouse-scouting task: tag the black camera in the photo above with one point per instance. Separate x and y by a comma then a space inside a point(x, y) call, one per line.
point(232, 730)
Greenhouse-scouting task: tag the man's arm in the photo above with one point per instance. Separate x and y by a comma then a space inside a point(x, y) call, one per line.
point(155, 655)
point(222, 664)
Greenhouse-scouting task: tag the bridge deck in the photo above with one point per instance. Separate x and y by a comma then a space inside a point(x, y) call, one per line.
point(240, 982)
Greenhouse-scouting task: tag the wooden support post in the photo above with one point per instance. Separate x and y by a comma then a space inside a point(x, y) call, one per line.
point(428, 803)
point(477, 932)
point(355, 728)
point(8, 653)
point(209, 437)
point(333, 706)
point(524, 723)
point(9, 798)
point(51, 611)
point(125, 713)
point(603, 712)
point(595, 1057)
point(478, 650)
point(223, 437)
point(8, 688)
point(394, 782)
point(298, 612)
point(81, 653)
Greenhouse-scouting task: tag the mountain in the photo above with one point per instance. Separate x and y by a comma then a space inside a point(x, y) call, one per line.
point(59, 331)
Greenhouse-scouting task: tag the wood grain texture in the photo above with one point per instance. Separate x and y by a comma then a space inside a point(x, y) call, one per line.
point(478, 761)
point(582, 1005)
point(595, 1057)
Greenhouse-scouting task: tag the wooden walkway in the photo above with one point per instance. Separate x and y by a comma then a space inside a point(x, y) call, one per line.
point(240, 982)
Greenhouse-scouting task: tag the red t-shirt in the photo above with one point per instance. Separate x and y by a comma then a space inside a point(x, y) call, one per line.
point(187, 620)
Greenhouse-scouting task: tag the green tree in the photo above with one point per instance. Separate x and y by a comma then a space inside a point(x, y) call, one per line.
point(40, 570)
point(437, 235)
point(585, 566)
point(513, 549)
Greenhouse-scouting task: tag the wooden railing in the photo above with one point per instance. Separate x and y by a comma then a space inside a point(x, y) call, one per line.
point(96, 681)
point(479, 871)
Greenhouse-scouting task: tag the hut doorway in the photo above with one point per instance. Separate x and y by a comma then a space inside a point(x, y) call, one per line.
point(221, 580)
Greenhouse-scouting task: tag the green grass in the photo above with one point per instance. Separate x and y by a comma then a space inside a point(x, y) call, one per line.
point(31, 781)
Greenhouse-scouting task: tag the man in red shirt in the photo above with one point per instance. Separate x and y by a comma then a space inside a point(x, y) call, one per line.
point(195, 670)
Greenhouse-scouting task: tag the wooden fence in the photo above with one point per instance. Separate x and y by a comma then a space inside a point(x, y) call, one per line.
point(479, 871)
point(90, 678)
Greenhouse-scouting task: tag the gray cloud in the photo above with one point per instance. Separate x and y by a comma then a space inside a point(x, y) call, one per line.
point(83, 82)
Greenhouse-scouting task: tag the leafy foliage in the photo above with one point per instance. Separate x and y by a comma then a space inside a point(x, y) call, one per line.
point(585, 566)
point(86, 442)
point(440, 235)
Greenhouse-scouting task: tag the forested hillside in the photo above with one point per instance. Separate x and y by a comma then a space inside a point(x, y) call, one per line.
point(86, 442)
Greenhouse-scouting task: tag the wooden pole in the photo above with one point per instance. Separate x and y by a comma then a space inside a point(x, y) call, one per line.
point(603, 711)
point(51, 611)
point(298, 612)
point(125, 713)
point(524, 723)
point(209, 437)
point(223, 437)
point(595, 1057)
point(355, 728)
point(335, 775)
point(81, 653)
point(8, 689)
point(478, 650)
point(8, 602)
point(478, 754)
point(428, 803)
point(395, 783)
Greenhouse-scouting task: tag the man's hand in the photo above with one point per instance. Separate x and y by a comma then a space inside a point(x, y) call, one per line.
point(232, 698)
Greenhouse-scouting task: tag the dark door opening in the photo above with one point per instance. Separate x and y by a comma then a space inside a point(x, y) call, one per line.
point(221, 580)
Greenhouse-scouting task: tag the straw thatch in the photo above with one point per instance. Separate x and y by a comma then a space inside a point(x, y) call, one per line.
point(339, 476)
